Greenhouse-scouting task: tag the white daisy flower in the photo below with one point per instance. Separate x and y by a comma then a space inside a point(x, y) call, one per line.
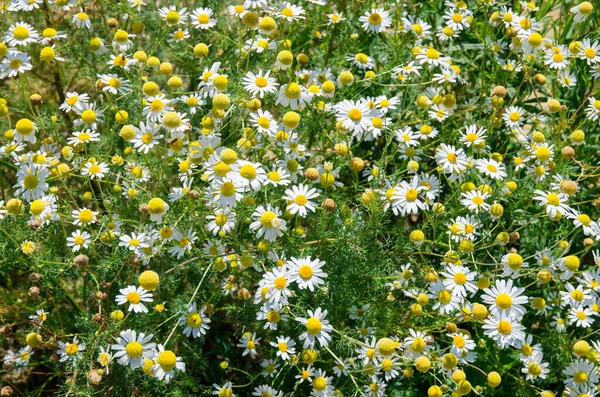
point(132, 348)
point(135, 298)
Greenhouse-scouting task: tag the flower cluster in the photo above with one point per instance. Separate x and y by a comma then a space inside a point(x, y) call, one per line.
point(315, 198)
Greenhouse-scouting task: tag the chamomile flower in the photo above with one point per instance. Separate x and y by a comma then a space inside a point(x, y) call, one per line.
point(555, 203)
point(172, 16)
point(505, 299)
point(166, 364)
point(31, 181)
point(94, 169)
point(317, 328)
point(71, 351)
point(135, 297)
point(264, 122)
point(89, 116)
point(105, 358)
point(78, 240)
point(506, 331)
point(590, 51)
point(222, 221)
point(14, 63)
point(249, 342)
point(82, 20)
point(195, 321)
point(460, 280)
point(21, 33)
point(146, 136)
point(492, 169)
point(132, 348)
point(376, 21)
point(306, 273)
point(293, 95)
point(335, 18)
point(354, 116)
point(475, 200)
point(582, 11)
point(84, 216)
point(452, 160)
point(259, 84)
point(267, 223)
point(406, 197)
point(74, 101)
point(83, 137)
point(202, 18)
point(299, 199)
point(290, 12)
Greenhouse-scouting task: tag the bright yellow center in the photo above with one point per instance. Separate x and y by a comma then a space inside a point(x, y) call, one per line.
point(305, 272)
point(21, 33)
point(133, 297)
point(227, 189)
point(375, 19)
point(266, 219)
point(504, 301)
point(354, 114)
point(134, 349)
point(166, 360)
point(280, 282)
point(460, 278)
point(504, 327)
point(203, 19)
point(72, 349)
point(313, 326)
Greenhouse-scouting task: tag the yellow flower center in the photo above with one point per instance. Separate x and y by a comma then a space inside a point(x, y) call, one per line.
point(264, 122)
point(432, 53)
point(166, 360)
point(460, 278)
point(194, 320)
point(412, 194)
point(280, 282)
point(504, 301)
point(305, 272)
point(590, 53)
point(444, 296)
point(203, 19)
point(313, 326)
point(301, 200)
point(72, 349)
point(86, 216)
point(477, 200)
point(375, 19)
point(354, 114)
point(361, 58)
point(248, 171)
point(319, 383)
point(579, 376)
point(88, 116)
point(134, 349)
point(267, 218)
point(21, 33)
point(172, 17)
point(31, 182)
point(459, 341)
point(227, 189)
point(134, 298)
point(534, 369)
point(504, 327)
point(292, 91)
point(515, 261)
point(261, 82)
